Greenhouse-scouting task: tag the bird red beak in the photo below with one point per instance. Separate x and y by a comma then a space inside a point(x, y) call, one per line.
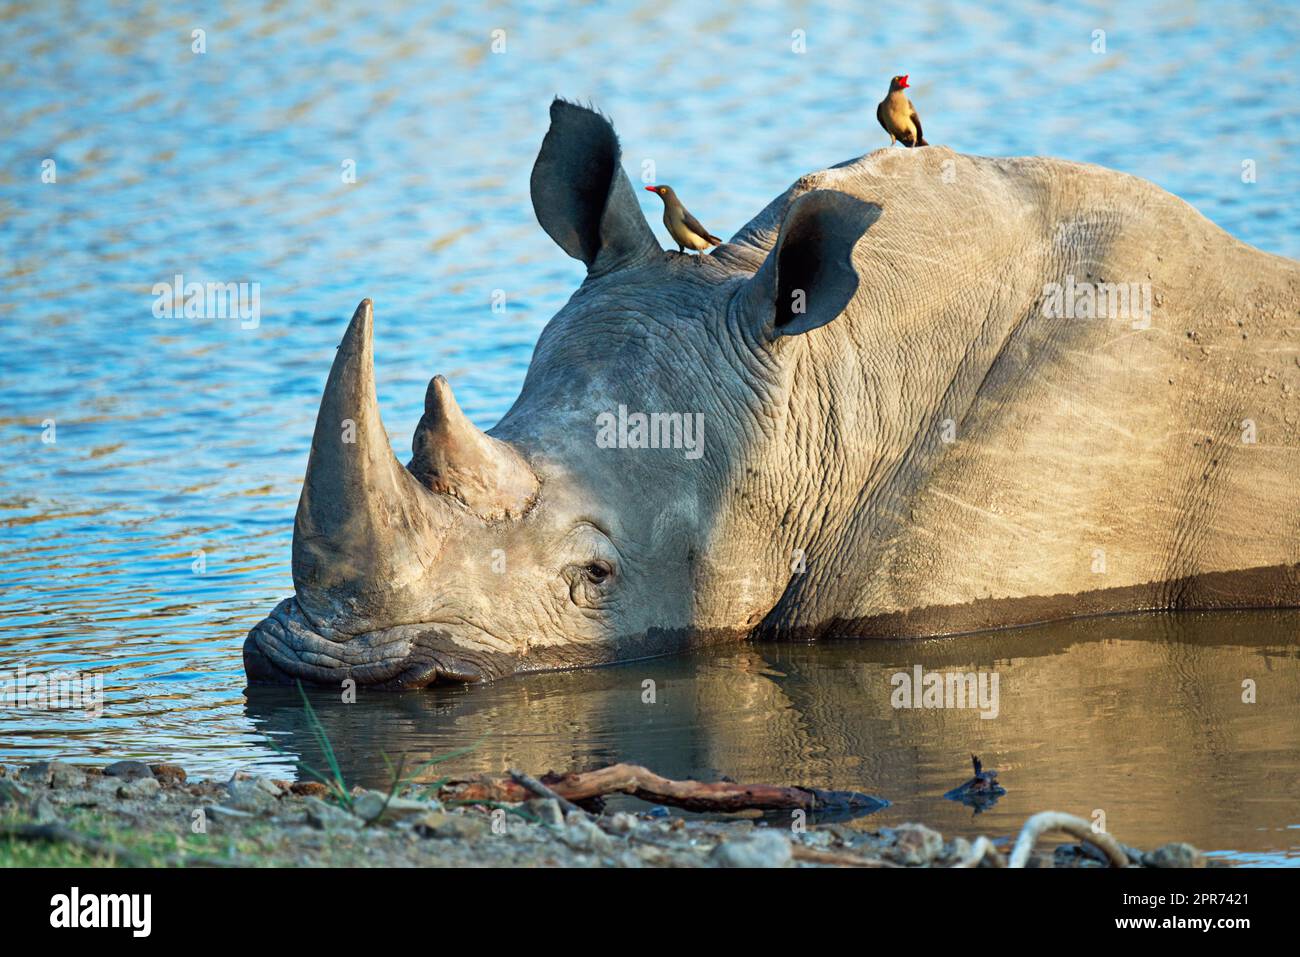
point(902, 82)
point(652, 189)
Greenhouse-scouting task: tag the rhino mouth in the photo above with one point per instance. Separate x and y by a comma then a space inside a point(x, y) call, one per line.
point(285, 647)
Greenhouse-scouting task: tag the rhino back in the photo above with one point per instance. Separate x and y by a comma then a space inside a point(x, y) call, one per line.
point(999, 463)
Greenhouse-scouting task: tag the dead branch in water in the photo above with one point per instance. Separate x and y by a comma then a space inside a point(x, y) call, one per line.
point(586, 786)
point(1076, 827)
point(982, 850)
point(541, 790)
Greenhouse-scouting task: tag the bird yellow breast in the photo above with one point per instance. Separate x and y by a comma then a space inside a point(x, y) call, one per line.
point(679, 231)
point(898, 111)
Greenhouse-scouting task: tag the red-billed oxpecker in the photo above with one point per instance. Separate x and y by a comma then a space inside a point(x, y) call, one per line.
point(686, 230)
point(897, 115)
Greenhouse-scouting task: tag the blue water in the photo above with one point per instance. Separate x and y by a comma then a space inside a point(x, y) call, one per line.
point(180, 439)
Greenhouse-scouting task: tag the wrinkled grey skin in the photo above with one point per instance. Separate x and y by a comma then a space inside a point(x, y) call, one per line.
point(917, 450)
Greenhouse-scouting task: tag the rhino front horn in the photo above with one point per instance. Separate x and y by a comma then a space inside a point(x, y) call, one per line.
point(365, 530)
point(451, 456)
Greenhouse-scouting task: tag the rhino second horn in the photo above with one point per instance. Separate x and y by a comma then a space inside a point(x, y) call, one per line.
point(451, 456)
point(366, 531)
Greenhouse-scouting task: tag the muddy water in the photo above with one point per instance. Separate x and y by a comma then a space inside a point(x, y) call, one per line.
point(141, 544)
point(1141, 718)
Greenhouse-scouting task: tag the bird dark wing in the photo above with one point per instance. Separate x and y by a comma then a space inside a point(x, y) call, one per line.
point(880, 116)
point(695, 226)
point(920, 137)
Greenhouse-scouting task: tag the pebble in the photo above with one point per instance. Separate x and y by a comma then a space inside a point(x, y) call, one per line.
point(961, 849)
point(547, 811)
point(309, 789)
point(129, 770)
point(442, 824)
point(249, 795)
point(763, 849)
point(582, 833)
point(38, 773)
point(168, 773)
point(372, 805)
point(55, 774)
point(623, 823)
point(44, 811)
point(11, 792)
point(1174, 855)
point(139, 788)
point(914, 845)
point(817, 838)
point(324, 816)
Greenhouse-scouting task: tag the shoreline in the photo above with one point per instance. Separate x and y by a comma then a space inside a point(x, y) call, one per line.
point(130, 814)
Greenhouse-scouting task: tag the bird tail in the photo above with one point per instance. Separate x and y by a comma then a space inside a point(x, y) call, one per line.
point(920, 141)
point(714, 239)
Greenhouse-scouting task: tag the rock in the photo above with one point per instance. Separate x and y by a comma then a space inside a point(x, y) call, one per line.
point(368, 806)
point(447, 826)
point(325, 817)
point(38, 774)
point(139, 788)
point(623, 823)
point(249, 795)
point(44, 811)
point(309, 789)
point(582, 833)
point(11, 792)
point(1078, 855)
point(372, 805)
point(128, 770)
point(1174, 855)
point(817, 838)
point(649, 854)
point(960, 849)
point(762, 849)
point(167, 774)
point(55, 774)
point(914, 845)
point(91, 796)
point(66, 776)
point(547, 811)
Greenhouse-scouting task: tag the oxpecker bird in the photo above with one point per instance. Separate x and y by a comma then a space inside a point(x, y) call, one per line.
point(897, 115)
point(685, 229)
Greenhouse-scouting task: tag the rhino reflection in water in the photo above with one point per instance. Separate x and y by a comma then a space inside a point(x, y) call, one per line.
point(899, 439)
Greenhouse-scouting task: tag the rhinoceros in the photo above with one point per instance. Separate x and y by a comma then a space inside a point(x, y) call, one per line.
point(920, 393)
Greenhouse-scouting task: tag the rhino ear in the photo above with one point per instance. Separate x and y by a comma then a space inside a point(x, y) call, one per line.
point(809, 276)
point(581, 195)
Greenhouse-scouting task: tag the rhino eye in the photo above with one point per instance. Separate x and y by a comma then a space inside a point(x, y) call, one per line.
point(597, 572)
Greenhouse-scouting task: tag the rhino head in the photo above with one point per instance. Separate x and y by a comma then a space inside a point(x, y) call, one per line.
point(574, 532)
